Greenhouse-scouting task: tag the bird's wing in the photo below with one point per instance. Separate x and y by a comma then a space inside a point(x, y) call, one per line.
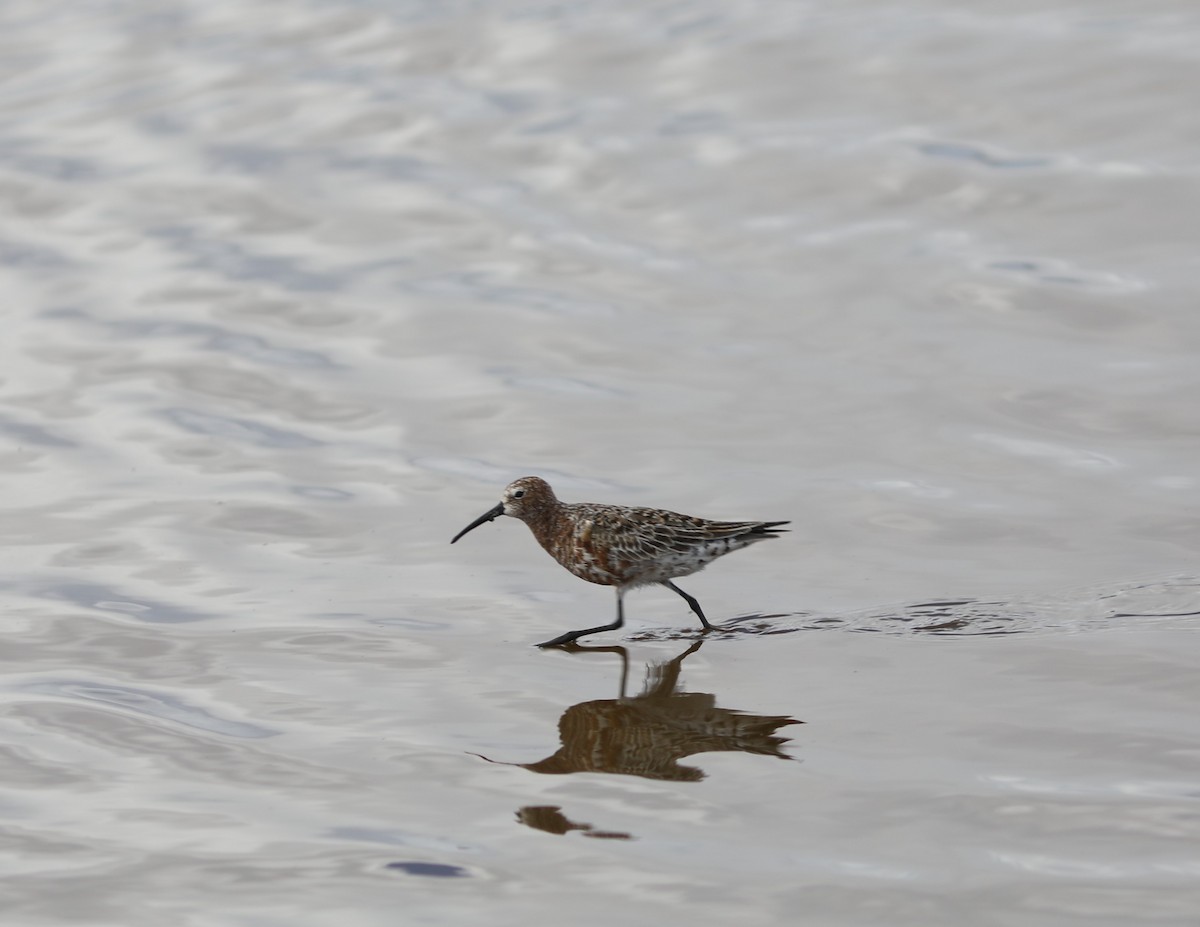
point(653, 532)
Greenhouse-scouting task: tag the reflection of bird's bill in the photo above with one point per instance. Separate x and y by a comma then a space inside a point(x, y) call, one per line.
point(490, 515)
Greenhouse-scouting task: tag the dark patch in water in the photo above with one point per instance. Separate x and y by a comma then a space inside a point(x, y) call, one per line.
point(433, 870)
point(962, 151)
point(107, 599)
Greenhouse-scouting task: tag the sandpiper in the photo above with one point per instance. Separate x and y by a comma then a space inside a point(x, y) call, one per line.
point(621, 546)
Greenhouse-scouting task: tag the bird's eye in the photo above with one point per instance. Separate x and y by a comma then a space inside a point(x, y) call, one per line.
point(518, 493)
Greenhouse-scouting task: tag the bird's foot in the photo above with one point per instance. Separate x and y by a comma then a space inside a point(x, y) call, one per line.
point(571, 636)
point(561, 641)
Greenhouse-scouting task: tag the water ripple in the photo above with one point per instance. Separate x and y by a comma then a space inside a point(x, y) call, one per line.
point(1123, 606)
point(238, 262)
point(28, 433)
point(154, 703)
point(105, 598)
point(238, 429)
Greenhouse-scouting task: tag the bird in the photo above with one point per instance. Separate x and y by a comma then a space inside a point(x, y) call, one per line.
point(622, 546)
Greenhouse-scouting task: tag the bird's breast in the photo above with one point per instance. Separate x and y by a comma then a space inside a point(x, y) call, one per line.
point(578, 547)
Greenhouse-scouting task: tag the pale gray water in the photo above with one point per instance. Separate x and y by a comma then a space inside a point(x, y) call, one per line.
point(292, 290)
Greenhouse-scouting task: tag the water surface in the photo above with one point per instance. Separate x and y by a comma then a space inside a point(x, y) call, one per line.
point(293, 289)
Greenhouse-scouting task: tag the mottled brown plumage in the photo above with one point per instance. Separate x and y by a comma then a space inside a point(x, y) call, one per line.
point(622, 546)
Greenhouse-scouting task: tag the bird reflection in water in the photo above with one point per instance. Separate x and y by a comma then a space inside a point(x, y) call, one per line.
point(551, 819)
point(648, 734)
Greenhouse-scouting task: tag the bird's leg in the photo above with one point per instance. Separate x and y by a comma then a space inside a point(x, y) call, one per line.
point(691, 601)
point(572, 636)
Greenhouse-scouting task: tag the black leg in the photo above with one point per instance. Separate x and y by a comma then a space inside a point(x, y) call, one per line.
point(572, 636)
point(695, 606)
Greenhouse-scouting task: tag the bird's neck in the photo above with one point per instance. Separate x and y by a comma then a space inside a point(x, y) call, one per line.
point(551, 526)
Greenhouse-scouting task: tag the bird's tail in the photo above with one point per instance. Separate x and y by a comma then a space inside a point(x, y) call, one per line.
point(768, 529)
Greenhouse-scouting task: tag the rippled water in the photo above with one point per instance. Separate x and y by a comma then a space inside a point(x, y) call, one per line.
point(293, 289)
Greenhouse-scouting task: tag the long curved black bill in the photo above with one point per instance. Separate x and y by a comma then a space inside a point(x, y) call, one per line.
point(489, 515)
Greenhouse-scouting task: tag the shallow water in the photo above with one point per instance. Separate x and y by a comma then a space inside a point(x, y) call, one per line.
point(293, 289)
